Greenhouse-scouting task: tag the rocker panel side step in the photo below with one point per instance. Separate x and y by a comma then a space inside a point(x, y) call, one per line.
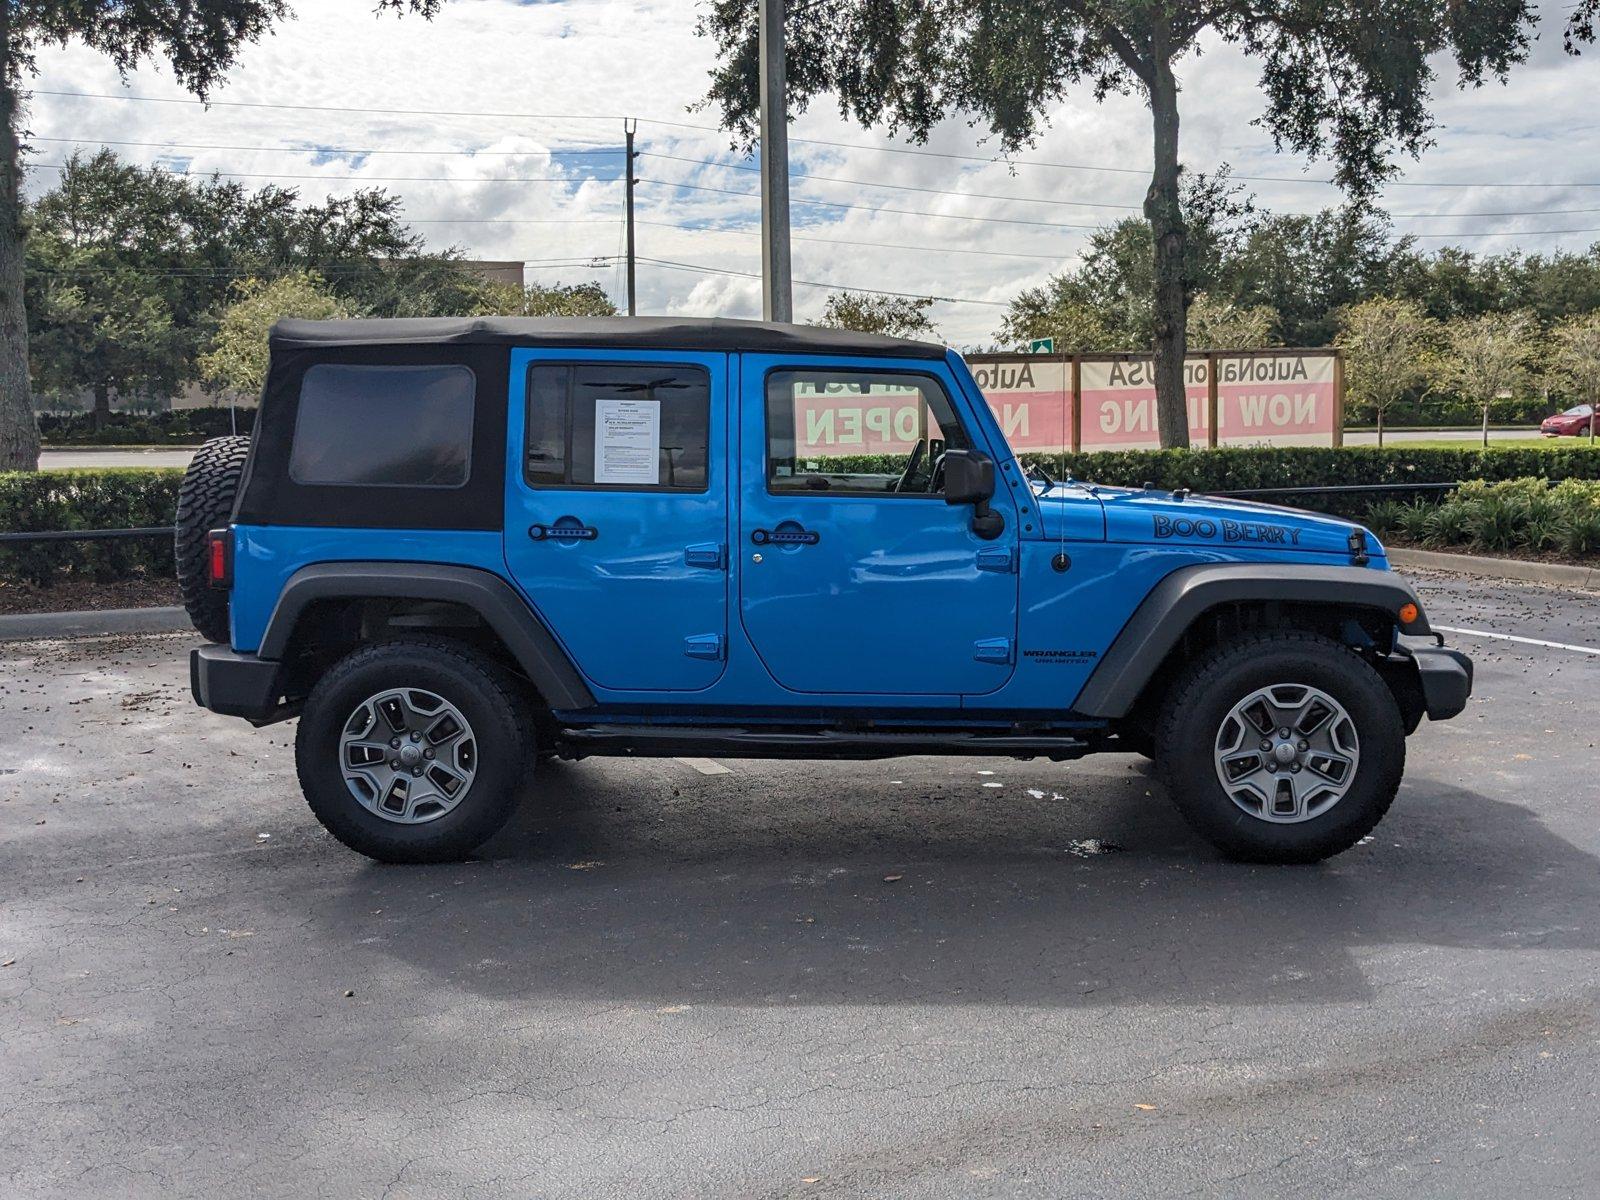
point(654, 741)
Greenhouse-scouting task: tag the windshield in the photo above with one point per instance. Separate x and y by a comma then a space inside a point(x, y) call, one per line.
point(1583, 410)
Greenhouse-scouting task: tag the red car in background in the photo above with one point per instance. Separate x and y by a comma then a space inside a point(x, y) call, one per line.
point(1575, 422)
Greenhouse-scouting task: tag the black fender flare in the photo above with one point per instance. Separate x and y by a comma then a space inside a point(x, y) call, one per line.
point(494, 600)
point(1185, 595)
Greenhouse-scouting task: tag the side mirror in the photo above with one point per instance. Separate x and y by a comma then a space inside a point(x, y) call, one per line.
point(969, 479)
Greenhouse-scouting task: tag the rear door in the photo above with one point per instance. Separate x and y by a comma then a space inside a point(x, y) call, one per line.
point(855, 575)
point(617, 510)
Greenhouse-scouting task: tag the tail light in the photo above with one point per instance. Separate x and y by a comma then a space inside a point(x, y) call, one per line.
point(219, 558)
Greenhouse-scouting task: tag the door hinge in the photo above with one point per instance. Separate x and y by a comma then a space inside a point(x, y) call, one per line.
point(993, 650)
point(1000, 559)
point(705, 645)
point(711, 555)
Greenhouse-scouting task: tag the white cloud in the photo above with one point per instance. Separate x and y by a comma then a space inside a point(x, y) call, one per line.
point(579, 65)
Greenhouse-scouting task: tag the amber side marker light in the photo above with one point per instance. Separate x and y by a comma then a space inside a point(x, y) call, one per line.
point(1408, 614)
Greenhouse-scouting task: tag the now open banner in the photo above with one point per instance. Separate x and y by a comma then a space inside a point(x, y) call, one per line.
point(1288, 397)
point(1262, 398)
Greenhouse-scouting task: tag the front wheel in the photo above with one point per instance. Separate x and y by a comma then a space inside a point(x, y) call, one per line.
point(1281, 748)
point(414, 750)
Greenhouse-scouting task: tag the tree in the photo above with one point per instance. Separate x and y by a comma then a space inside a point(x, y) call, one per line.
point(876, 312)
point(1346, 81)
point(539, 300)
point(198, 41)
point(1054, 311)
point(113, 245)
point(1486, 358)
point(1387, 346)
point(1104, 304)
point(1219, 324)
point(1575, 357)
point(237, 359)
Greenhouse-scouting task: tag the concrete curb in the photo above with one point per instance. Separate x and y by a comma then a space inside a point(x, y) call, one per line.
point(1556, 574)
point(26, 627)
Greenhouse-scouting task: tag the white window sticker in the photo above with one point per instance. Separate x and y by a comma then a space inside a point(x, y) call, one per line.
point(627, 442)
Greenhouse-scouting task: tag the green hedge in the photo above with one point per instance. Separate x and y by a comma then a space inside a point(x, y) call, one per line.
point(91, 499)
point(1510, 515)
point(182, 427)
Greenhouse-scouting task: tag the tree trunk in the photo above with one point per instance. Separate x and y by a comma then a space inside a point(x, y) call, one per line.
point(1164, 211)
point(1380, 428)
point(1486, 404)
point(19, 428)
point(102, 406)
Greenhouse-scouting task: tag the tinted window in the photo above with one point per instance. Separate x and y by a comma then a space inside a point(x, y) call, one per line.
point(383, 426)
point(636, 427)
point(878, 433)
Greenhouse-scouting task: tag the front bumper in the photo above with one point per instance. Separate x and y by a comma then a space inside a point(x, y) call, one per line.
point(237, 685)
point(1446, 679)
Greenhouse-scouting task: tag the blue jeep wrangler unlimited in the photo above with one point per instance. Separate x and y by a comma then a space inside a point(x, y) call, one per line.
point(455, 548)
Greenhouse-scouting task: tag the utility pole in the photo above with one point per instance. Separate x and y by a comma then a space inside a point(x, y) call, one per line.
point(628, 126)
point(777, 292)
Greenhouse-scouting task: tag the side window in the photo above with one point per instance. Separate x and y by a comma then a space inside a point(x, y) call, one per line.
point(859, 432)
point(634, 426)
point(372, 426)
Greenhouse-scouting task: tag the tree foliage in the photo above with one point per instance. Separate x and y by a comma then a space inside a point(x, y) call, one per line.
point(1575, 357)
point(1344, 81)
point(237, 359)
point(1387, 344)
point(1217, 323)
point(878, 312)
point(199, 42)
point(130, 269)
point(544, 300)
point(1487, 357)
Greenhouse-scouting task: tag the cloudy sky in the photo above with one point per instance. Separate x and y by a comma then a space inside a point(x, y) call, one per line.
point(395, 103)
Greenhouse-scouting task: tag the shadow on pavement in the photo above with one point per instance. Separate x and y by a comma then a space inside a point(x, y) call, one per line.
point(720, 899)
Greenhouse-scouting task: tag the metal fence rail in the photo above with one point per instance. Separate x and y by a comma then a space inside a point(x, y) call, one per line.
point(85, 535)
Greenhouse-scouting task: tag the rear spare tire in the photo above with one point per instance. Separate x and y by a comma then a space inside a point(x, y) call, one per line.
point(205, 502)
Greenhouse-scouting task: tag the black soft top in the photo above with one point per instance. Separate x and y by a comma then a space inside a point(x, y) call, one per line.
point(623, 333)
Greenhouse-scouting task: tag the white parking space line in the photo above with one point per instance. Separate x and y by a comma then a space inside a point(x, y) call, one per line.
point(705, 766)
point(1511, 637)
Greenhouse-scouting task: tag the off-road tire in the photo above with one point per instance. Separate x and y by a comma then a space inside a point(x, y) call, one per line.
point(495, 706)
point(1203, 695)
point(205, 502)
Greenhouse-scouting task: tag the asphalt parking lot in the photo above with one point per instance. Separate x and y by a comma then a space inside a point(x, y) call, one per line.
point(907, 979)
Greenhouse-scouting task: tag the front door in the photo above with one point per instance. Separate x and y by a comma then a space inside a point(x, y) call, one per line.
point(855, 575)
point(617, 511)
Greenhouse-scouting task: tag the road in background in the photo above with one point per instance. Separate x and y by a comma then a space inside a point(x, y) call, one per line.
point(916, 978)
point(179, 456)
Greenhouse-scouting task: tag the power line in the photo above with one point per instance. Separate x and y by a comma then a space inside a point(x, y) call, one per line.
point(697, 187)
point(339, 150)
point(370, 178)
point(837, 287)
point(873, 245)
point(805, 176)
point(909, 150)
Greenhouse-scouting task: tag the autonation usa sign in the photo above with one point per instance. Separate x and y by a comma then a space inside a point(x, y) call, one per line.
point(1058, 402)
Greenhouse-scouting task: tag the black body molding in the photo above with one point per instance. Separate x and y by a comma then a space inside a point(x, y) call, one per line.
point(1189, 592)
point(537, 652)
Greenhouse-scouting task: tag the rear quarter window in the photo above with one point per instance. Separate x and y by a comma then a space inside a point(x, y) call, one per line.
point(384, 426)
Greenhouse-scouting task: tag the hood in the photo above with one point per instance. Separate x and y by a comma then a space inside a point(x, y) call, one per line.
point(1131, 515)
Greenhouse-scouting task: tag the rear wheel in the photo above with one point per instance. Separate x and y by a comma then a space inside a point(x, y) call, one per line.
point(414, 750)
point(1281, 748)
point(205, 502)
